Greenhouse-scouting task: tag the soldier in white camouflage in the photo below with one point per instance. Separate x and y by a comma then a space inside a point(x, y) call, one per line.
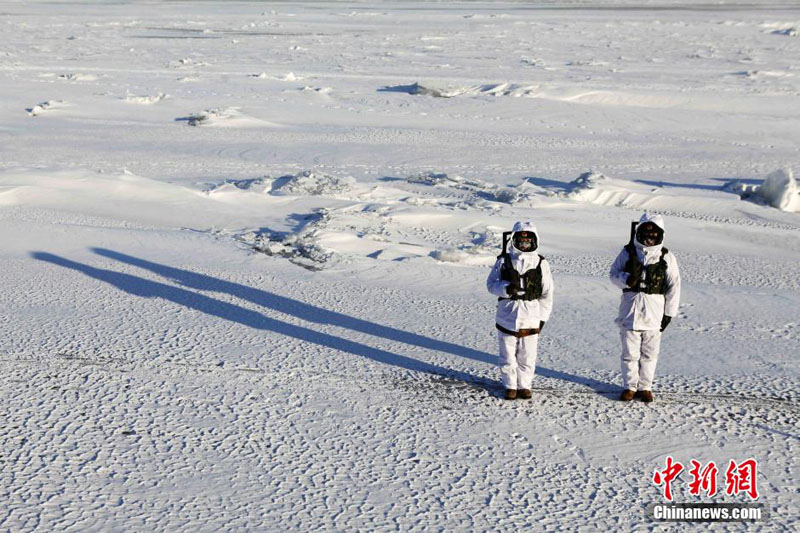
point(650, 281)
point(523, 284)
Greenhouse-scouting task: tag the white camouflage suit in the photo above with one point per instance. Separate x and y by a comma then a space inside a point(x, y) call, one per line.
point(640, 314)
point(518, 355)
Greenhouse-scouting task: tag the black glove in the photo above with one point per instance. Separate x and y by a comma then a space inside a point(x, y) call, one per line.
point(511, 289)
point(665, 322)
point(635, 276)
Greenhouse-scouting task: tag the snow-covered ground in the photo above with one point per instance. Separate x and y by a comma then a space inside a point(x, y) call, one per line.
point(244, 248)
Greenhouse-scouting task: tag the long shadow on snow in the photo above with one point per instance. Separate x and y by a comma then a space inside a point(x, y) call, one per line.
point(321, 315)
point(600, 387)
point(310, 313)
point(145, 288)
point(295, 308)
point(666, 184)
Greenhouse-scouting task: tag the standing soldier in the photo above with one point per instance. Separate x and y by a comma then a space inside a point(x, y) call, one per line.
point(648, 275)
point(522, 282)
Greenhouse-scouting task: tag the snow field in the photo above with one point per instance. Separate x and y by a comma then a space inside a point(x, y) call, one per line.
point(245, 249)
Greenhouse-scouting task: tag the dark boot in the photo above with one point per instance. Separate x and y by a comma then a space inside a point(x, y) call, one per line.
point(627, 395)
point(511, 394)
point(524, 394)
point(645, 395)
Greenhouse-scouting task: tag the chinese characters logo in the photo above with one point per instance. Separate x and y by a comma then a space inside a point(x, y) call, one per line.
point(739, 478)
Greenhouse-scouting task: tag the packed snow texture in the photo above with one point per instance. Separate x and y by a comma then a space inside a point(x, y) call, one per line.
point(245, 249)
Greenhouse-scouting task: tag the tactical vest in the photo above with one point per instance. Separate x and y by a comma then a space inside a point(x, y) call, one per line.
point(655, 278)
point(531, 280)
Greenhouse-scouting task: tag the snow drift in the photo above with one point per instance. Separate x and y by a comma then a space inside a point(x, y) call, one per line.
point(780, 190)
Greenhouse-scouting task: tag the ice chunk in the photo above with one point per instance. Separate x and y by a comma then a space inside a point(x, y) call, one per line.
point(780, 190)
point(145, 99)
point(309, 183)
point(589, 180)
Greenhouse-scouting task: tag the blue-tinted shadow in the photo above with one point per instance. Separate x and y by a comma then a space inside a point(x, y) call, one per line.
point(547, 183)
point(150, 289)
point(667, 184)
point(296, 308)
point(145, 288)
point(313, 313)
point(600, 387)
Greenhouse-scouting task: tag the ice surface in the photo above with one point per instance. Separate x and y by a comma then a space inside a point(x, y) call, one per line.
point(276, 320)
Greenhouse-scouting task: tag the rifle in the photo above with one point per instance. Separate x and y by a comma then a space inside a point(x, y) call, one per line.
point(510, 275)
point(633, 262)
point(506, 238)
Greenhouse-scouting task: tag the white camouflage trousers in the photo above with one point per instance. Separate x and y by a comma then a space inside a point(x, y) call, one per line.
point(639, 357)
point(517, 360)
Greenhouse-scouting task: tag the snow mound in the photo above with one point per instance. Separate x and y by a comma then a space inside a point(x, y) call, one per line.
point(310, 183)
point(300, 250)
point(187, 62)
point(597, 188)
point(306, 183)
point(255, 185)
point(790, 32)
point(743, 189)
point(650, 99)
point(532, 61)
point(50, 105)
point(131, 199)
point(764, 74)
point(301, 247)
point(780, 191)
point(482, 191)
point(77, 77)
point(450, 256)
point(496, 89)
point(229, 117)
point(589, 180)
point(146, 99)
point(291, 76)
point(319, 90)
point(431, 178)
point(462, 257)
point(587, 63)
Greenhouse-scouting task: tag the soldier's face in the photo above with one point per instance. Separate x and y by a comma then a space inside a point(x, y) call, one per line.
point(649, 234)
point(524, 242)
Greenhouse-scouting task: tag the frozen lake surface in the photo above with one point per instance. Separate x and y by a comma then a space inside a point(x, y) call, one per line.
point(245, 247)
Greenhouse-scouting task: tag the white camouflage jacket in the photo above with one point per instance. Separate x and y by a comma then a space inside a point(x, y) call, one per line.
point(637, 310)
point(515, 315)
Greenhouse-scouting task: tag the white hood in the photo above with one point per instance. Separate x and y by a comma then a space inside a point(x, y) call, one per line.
point(521, 314)
point(650, 254)
point(638, 310)
point(658, 220)
point(523, 226)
